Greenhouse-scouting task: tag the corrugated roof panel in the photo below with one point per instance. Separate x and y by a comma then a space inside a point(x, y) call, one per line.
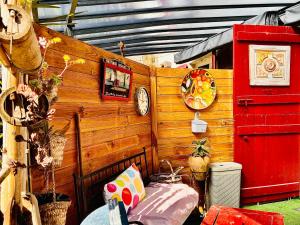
point(106, 22)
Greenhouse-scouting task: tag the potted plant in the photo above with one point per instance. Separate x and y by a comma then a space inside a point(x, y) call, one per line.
point(199, 159)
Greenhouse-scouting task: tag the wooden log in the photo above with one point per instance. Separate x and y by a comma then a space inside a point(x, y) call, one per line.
point(31, 204)
point(3, 58)
point(4, 174)
point(18, 39)
point(9, 143)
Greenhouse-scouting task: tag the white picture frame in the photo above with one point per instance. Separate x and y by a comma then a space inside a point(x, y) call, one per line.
point(269, 65)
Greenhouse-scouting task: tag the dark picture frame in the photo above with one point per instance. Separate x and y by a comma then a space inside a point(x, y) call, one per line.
point(116, 82)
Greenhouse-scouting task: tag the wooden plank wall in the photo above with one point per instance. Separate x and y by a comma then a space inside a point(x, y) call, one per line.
point(174, 118)
point(110, 130)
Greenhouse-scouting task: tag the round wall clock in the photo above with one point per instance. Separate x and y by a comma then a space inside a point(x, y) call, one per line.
point(142, 101)
point(198, 89)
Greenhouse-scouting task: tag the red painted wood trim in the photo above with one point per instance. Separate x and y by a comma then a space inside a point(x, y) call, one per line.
point(211, 215)
point(268, 129)
point(268, 99)
point(220, 215)
point(269, 198)
point(267, 37)
point(270, 189)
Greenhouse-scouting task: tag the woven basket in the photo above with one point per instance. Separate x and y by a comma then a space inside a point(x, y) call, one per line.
point(57, 145)
point(54, 213)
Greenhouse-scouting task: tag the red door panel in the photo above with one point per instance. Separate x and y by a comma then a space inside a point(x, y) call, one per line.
point(267, 119)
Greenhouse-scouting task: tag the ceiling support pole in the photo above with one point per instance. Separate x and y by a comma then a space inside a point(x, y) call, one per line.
point(70, 25)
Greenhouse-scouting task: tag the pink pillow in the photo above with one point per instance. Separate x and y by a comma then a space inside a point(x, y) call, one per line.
point(127, 187)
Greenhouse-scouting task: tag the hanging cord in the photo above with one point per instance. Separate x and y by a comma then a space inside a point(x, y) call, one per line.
point(12, 15)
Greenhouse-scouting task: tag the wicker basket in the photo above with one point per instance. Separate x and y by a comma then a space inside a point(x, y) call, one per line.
point(54, 213)
point(57, 145)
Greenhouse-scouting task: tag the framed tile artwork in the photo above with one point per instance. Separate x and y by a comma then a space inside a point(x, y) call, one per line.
point(269, 65)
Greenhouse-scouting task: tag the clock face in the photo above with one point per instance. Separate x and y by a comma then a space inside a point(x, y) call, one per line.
point(143, 101)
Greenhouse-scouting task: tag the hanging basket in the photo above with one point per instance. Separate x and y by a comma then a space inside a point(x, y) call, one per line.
point(57, 145)
point(53, 213)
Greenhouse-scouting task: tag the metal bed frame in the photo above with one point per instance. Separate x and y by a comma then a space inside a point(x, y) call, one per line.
point(89, 187)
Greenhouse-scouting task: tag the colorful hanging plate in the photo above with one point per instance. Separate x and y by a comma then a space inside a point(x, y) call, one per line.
point(198, 89)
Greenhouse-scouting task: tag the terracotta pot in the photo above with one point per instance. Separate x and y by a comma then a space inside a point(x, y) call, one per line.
point(199, 166)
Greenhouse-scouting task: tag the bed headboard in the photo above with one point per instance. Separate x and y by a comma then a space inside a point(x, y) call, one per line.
point(89, 188)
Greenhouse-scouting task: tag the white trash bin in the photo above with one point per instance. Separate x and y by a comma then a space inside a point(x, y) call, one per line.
point(224, 184)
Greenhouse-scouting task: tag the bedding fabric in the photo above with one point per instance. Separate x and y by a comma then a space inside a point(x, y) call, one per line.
point(165, 204)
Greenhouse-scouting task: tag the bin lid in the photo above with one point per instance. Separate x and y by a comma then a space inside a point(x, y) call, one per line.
point(225, 166)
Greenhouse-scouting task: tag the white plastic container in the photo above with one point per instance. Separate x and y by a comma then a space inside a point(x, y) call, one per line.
point(198, 126)
point(224, 184)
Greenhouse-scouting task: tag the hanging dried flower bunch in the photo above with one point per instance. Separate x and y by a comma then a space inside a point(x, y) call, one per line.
point(47, 82)
point(40, 93)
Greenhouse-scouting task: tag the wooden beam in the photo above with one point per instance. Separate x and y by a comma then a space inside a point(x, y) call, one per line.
point(70, 25)
point(35, 13)
point(154, 132)
point(9, 143)
point(78, 143)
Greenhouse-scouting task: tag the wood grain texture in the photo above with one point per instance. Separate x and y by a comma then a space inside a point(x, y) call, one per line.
point(110, 130)
point(174, 118)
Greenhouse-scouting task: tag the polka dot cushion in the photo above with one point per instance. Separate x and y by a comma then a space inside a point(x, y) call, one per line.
point(127, 187)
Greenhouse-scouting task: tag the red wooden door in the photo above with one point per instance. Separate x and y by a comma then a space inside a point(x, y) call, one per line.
point(267, 119)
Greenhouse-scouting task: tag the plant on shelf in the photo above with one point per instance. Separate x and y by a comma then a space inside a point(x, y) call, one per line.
point(199, 159)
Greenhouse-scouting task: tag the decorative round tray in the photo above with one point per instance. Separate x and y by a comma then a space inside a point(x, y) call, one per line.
point(198, 89)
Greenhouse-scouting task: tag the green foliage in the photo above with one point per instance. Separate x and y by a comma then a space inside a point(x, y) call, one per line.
point(35, 84)
point(201, 147)
point(289, 208)
point(45, 86)
point(56, 80)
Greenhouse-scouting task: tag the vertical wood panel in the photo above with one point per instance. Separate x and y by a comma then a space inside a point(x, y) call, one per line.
point(174, 118)
point(110, 130)
point(154, 134)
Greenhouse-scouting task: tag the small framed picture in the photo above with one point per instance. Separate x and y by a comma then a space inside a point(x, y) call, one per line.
point(269, 65)
point(116, 82)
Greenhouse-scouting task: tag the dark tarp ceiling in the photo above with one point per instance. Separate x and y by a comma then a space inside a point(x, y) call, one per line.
point(150, 26)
